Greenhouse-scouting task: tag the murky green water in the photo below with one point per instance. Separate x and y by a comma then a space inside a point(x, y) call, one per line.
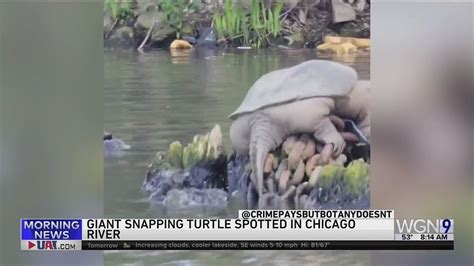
point(155, 98)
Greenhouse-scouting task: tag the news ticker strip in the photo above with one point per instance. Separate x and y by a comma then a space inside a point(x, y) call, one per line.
point(64, 245)
point(277, 225)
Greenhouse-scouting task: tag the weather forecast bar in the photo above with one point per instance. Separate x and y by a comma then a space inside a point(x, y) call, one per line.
point(267, 245)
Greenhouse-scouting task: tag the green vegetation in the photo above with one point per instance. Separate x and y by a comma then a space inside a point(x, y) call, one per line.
point(175, 153)
point(119, 9)
point(175, 11)
point(353, 180)
point(356, 177)
point(254, 27)
point(203, 148)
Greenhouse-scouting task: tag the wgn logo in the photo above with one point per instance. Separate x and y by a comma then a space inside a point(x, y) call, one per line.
point(425, 226)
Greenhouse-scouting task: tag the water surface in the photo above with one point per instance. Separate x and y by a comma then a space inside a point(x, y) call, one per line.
point(156, 98)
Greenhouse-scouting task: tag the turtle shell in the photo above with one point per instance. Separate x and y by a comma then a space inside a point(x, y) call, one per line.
point(314, 78)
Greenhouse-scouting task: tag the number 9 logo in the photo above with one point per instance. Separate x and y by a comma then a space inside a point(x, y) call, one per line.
point(446, 226)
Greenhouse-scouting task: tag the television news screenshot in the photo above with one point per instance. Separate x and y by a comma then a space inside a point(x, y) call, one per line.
point(236, 132)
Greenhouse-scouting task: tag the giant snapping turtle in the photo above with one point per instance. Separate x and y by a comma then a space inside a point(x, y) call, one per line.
point(299, 99)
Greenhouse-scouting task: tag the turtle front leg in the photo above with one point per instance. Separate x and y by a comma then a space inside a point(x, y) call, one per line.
point(326, 132)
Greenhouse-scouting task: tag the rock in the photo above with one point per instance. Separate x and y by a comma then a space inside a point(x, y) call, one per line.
point(121, 37)
point(360, 5)
point(238, 173)
point(113, 146)
point(342, 12)
point(206, 38)
point(145, 6)
point(160, 31)
point(163, 178)
point(296, 40)
point(107, 23)
point(186, 29)
point(360, 28)
point(192, 198)
point(124, 33)
point(146, 19)
point(160, 182)
point(290, 3)
point(158, 163)
point(193, 166)
point(302, 16)
point(107, 136)
point(189, 39)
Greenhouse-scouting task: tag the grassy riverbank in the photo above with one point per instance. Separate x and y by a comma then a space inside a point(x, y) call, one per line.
point(250, 23)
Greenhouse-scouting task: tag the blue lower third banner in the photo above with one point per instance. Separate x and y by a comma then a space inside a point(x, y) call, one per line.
point(51, 234)
point(51, 229)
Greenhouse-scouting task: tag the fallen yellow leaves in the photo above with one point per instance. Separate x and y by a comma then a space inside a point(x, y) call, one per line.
point(343, 45)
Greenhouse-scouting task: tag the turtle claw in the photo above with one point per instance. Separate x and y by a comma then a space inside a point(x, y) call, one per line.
point(338, 147)
point(327, 133)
